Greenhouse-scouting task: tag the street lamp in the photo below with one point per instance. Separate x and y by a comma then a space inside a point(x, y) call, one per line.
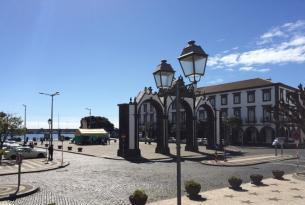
point(193, 62)
point(24, 121)
point(51, 120)
point(89, 109)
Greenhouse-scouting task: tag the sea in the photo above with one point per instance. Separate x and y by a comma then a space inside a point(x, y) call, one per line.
point(38, 136)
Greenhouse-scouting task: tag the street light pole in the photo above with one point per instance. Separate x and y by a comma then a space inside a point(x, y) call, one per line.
point(193, 62)
point(178, 142)
point(24, 121)
point(89, 111)
point(52, 95)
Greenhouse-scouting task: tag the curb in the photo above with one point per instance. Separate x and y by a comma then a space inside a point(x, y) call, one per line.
point(246, 164)
point(27, 193)
point(40, 170)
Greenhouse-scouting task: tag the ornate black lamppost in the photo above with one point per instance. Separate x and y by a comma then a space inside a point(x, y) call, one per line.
point(193, 62)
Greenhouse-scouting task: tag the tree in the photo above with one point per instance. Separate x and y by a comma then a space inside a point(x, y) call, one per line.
point(9, 126)
point(97, 122)
point(294, 110)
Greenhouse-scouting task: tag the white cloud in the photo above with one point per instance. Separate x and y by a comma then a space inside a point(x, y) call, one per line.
point(216, 81)
point(249, 68)
point(282, 44)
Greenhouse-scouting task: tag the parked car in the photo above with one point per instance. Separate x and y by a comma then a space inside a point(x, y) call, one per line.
point(8, 145)
point(26, 153)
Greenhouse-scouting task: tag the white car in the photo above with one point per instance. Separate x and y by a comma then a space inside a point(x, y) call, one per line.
point(26, 153)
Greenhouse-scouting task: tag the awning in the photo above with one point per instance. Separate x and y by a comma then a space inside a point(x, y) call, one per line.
point(90, 132)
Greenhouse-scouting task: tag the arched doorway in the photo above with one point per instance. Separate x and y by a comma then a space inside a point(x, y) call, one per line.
point(185, 122)
point(150, 124)
point(250, 136)
point(206, 124)
point(267, 135)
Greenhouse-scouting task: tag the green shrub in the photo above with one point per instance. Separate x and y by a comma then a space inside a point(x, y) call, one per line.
point(192, 188)
point(139, 197)
point(235, 182)
point(256, 178)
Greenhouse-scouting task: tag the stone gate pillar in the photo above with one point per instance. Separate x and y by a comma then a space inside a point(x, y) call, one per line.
point(128, 138)
point(217, 115)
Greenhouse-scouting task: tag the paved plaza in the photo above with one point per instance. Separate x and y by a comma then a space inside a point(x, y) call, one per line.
point(97, 180)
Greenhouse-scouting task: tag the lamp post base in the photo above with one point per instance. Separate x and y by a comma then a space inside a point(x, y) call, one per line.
point(191, 148)
point(129, 153)
point(162, 150)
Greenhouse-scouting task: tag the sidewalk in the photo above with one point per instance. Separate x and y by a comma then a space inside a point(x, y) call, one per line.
point(147, 151)
point(7, 189)
point(10, 167)
point(247, 160)
point(272, 192)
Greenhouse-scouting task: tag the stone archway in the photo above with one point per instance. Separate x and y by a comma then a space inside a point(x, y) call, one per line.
point(206, 123)
point(266, 135)
point(186, 123)
point(250, 135)
point(150, 122)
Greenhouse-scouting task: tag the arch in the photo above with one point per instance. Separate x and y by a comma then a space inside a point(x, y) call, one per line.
point(153, 130)
point(266, 135)
point(206, 125)
point(250, 135)
point(186, 120)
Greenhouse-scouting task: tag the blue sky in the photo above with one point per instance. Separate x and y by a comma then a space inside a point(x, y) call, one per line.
point(100, 53)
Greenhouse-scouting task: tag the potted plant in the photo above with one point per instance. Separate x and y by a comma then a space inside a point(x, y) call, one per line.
point(46, 145)
point(278, 174)
point(192, 188)
point(79, 149)
point(35, 143)
point(256, 179)
point(59, 146)
point(235, 182)
point(139, 197)
point(69, 148)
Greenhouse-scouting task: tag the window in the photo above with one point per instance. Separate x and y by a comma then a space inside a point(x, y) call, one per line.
point(202, 115)
point(151, 118)
point(174, 117)
point(212, 100)
point(145, 107)
point(251, 96)
point(174, 105)
point(145, 118)
point(251, 114)
point(236, 98)
point(281, 94)
point(287, 96)
point(151, 107)
point(183, 116)
point(224, 99)
point(223, 114)
point(237, 112)
point(267, 95)
point(266, 114)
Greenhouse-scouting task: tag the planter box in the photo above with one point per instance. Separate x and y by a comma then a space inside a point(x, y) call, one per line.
point(278, 174)
point(35, 143)
point(59, 147)
point(46, 145)
point(79, 149)
point(256, 179)
point(69, 148)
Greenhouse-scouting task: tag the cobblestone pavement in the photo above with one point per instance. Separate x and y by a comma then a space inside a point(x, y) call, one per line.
point(98, 181)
